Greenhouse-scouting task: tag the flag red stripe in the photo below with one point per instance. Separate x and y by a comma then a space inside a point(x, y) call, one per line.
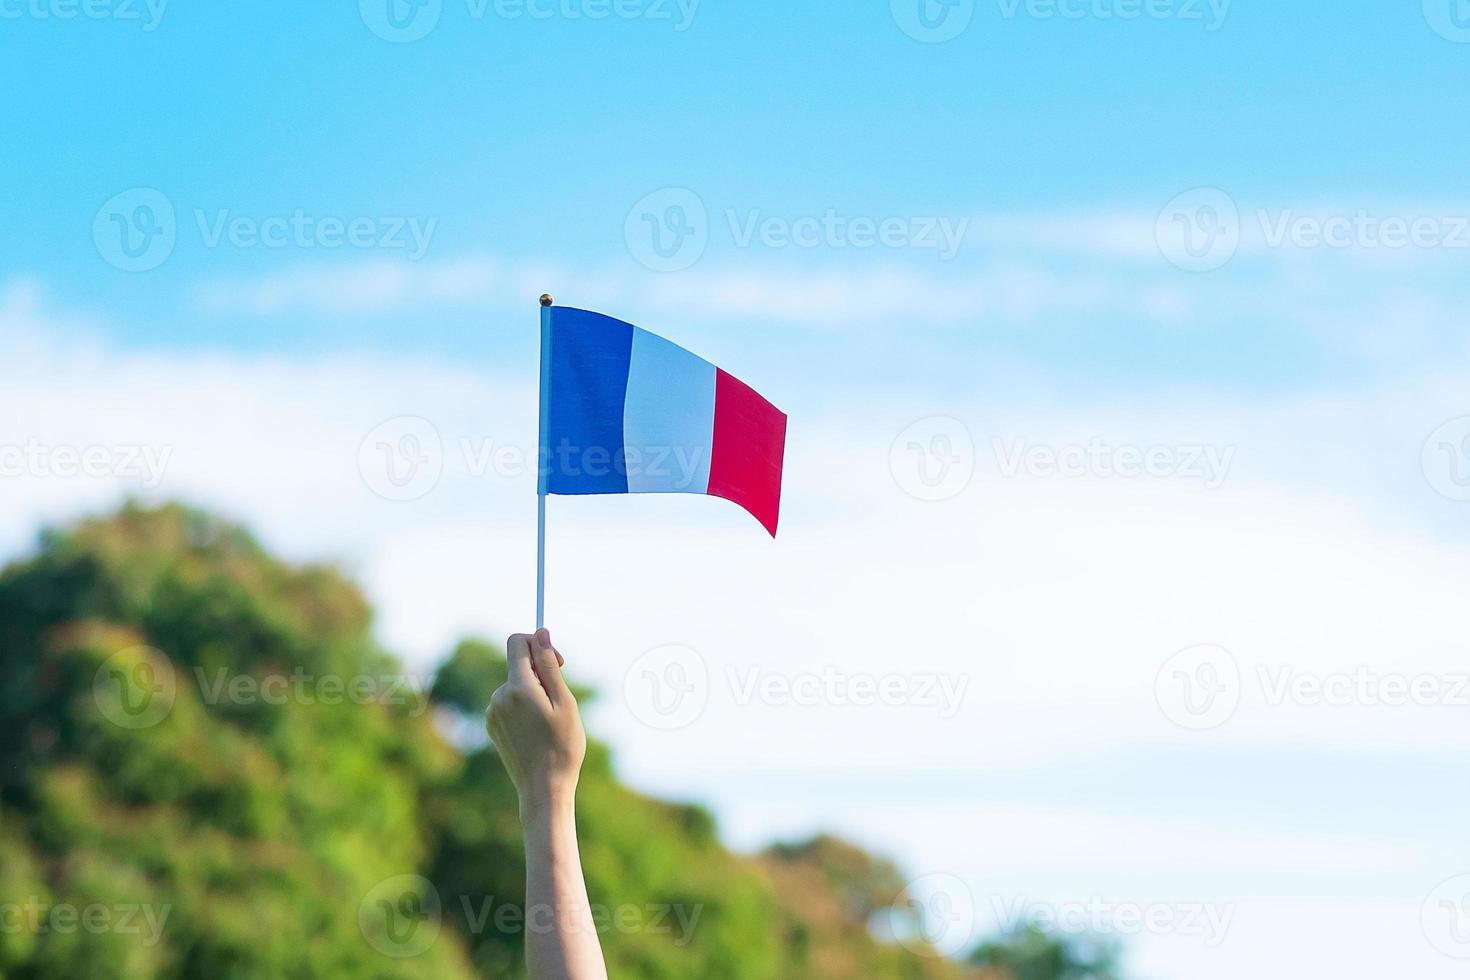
point(749, 450)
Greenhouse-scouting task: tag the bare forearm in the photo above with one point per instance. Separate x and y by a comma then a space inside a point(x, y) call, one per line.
point(561, 936)
point(537, 729)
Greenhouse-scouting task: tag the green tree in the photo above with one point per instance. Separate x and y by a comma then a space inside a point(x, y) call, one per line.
point(195, 728)
point(1030, 952)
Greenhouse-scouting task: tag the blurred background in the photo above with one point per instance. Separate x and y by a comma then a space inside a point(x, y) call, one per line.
point(1112, 626)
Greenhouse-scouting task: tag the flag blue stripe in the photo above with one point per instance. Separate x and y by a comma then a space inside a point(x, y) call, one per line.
point(590, 355)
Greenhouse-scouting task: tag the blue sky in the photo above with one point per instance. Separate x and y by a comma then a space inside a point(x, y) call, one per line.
point(1137, 209)
point(531, 138)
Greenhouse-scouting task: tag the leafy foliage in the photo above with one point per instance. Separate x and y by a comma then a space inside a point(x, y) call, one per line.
point(1031, 953)
point(210, 769)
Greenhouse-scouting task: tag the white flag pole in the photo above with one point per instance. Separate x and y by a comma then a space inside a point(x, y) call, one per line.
point(543, 460)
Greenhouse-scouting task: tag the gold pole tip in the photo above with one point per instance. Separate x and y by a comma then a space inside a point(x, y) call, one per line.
point(546, 299)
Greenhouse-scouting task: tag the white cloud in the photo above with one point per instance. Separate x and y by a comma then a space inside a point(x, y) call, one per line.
point(824, 297)
point(1036, 276)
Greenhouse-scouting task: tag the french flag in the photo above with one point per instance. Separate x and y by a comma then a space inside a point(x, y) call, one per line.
point(625, 411)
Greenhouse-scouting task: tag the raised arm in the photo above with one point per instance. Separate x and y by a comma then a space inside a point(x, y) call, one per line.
point(537, 730)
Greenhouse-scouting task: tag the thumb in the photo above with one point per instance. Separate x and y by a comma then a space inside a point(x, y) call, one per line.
point(548, 664)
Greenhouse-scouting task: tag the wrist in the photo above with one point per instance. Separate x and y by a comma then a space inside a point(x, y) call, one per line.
point(549, 801)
